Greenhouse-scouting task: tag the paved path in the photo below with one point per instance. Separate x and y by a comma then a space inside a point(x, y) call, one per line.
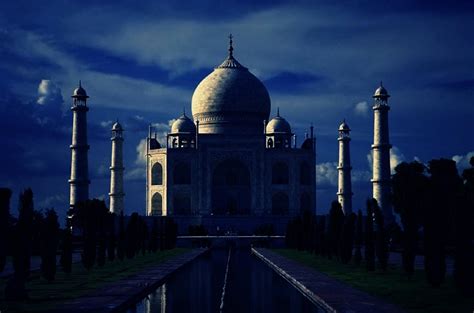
point(119, 295)
point(331, 294)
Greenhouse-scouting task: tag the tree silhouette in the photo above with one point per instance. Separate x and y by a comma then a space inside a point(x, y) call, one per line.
point(464, 235)
point(358, 239)
point(381, 246)
point(49, 244)
point(66, 253)
point(347, 238)
point(409, 186)
point(21, 248)
point(369, 236)
point(111, 242)
point(121, 238)
point(445, 185)
point(153, 242)
point(336, 222)
point(5, 195)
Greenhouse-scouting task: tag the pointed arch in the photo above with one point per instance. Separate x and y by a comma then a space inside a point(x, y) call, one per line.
point(157, 174)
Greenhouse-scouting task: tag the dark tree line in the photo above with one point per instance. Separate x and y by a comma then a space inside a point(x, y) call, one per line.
point(38, 233)
point(341, 237)
point(438, 202)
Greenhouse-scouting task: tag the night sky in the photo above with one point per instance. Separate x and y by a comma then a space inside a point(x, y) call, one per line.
point(320, 61)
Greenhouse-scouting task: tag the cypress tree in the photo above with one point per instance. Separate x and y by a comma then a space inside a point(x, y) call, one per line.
point(5, 195)
point(464, 235)
point(153, 242)
point(347, 238)
point(66, 253)
point(369, 236)
point(445, 185)
point(322, 235)
point(22, 249)
point(49, 245)
point(336, 222)
point(410, 185)
point(121, 238)
point(381, 247)
point(358, 239)
point(111, 242)
point(132, 239)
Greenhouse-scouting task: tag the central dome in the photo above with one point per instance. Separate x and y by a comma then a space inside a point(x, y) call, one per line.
point(230, 100)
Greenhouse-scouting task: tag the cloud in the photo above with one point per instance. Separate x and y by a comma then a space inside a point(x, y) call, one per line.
point(462, 161)
point(362, 108)
point(48, 92)
point(326, 174)
point(396, 157)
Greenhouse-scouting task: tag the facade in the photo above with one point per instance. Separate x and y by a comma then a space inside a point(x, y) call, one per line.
point(79, 180)
point(228, 162)
point(116, 170)
point(344, 193)
point(381, 154)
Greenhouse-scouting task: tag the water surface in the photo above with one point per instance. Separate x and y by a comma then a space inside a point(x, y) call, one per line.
point(250, 286)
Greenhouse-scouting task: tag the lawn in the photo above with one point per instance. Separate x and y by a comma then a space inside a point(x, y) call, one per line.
point(413, 295)
point(44, 295)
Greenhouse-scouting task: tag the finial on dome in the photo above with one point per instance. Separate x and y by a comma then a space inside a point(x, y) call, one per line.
point(184, 111)
point(231, 49)
point(278, 111)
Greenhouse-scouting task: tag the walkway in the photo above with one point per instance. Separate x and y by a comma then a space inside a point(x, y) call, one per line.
point(119, 295)
point(328, 292)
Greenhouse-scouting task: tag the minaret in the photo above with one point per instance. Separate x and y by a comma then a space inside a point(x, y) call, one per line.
point(116, 170)
point(79, 181)
point(381, 154)
point(344, 193)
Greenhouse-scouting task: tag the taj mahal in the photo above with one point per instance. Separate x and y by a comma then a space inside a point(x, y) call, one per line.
point(231, 163)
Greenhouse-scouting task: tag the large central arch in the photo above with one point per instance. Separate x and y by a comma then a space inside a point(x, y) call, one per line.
point(231, 190)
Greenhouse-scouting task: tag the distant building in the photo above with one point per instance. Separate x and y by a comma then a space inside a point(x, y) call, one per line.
point(227, 166)
point(344, 193)
point(381, 154)
point(116, 170)
point(79, 180)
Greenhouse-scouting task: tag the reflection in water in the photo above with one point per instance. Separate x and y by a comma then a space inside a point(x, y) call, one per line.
point(251, 287)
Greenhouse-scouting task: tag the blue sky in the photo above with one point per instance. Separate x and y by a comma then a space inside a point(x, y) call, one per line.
point(140, 62)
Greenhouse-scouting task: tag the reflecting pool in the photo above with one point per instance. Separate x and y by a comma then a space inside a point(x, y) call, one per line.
point(225, 280)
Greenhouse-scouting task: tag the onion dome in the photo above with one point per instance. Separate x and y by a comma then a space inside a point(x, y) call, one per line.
point(344, 127)
point(117, 127)
point(230, 99)
point(278, 125)
point(183, 125)
point(381, 92)
point(79, 92)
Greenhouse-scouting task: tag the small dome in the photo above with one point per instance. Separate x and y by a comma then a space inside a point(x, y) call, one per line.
point(183, 125)
point(79, 92)
point(278, 125)
point(381, 92)
point(117, 126)
point(344, 126)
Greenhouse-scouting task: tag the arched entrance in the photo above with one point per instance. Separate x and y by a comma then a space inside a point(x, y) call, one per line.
point(231, 194)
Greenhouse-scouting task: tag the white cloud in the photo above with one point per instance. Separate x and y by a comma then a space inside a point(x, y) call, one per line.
point(48, 92)
point(362, 108)
point(462, 161)
point(106, 124)
point(326, 174)
point(396, 157)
